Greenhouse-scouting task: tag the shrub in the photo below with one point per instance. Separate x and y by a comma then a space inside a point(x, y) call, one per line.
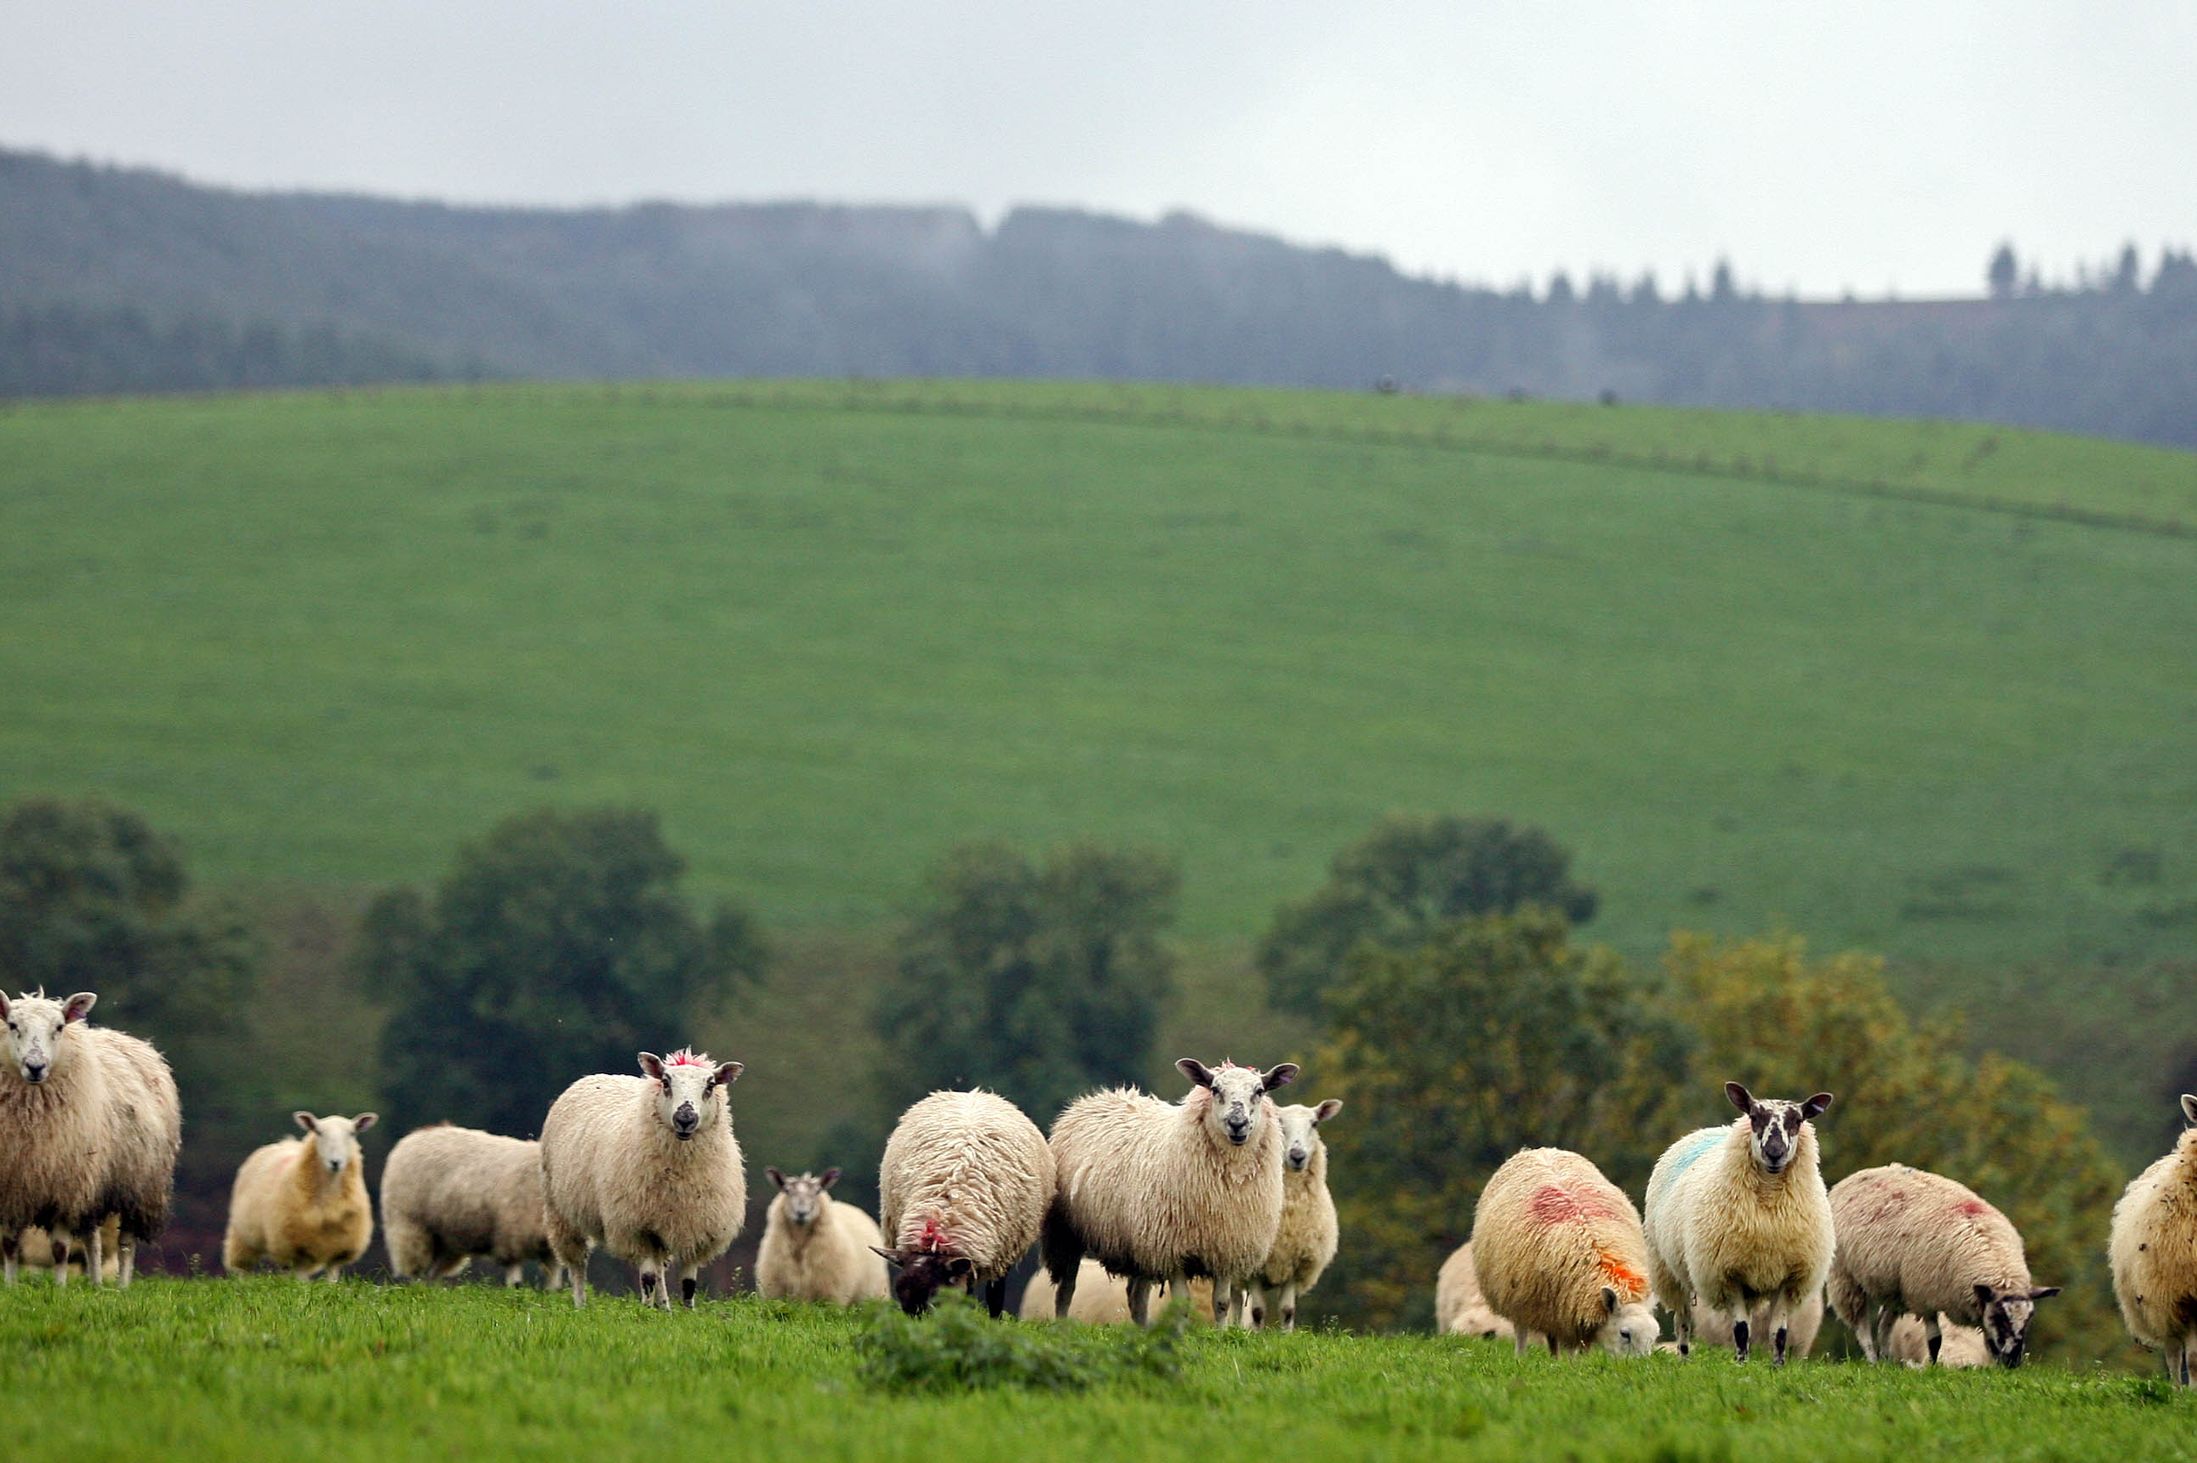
point(959, 1347)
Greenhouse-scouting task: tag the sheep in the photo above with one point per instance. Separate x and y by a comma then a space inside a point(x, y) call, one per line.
point(1738, 1216)
point(1802, 1326)
point(38, 1250)
point(1558, 1251)
point(963, 1189)
point(648, 1168)
point(1161, 1191)
point(2154, 1253)
point(1959, 1346)
point(817, 1248)
point(301, 1203)
point(144, 1140)
point(1459, 1308)
point(449, 1194)
point(1911, 1242)
point(54, 1128)
point(1305, 1245)
point(1101, 1299)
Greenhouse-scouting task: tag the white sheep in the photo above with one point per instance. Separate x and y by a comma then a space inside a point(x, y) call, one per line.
point(1162, 1191)
point(1305, 1244)
point(1558, 1251)
point(36, 1250)
point(817, 1248)
point(1958, 1345)
point(1802, 1326)
point(648, 1168)
point(144, 1140)
point(301, 1203)
point(1102, 1299)
point(2154, 1253)
point(52, 1120)
point(449, 1194)
point(1911, 1242)
point(962, 1190)
point(1459, 1307)
point(1738, 1218)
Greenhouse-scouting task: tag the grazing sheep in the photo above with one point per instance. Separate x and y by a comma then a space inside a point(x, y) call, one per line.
point(1558, 1250)
point(449, 1194)
point(1102, 1299)
point(1459, 1307)
point(37, 1251)
point(964, 1187)
point(301, 1203)
point(1916, 1243)
point(2154, 1253)
point(816, 1248)
point(144, 1140)
point(1738, 1218)
point(1802, 1326)
point(1960, 1346)
point(53, 1129)
point(1305, 1244)
point(648, 1168)
point(1162, 1191)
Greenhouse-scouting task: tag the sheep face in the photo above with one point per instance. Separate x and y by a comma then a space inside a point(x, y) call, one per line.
point(689, 1090)
point(805, 1199)
point(1629, 1330)
point(2006, 1317)
point(333, 1140)
point(1301, 1132)
point(1234, 1108)
point(919, 1274)
point(35, 1028)
point(1776, 1124)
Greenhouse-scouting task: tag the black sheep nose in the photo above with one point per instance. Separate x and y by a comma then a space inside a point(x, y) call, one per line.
point(34, 1072)
point(686, 1120)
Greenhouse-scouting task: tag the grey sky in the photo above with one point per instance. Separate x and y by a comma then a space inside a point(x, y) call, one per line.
point(1860, 145)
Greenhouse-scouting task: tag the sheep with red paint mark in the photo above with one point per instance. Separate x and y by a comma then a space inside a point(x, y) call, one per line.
point(963, 1188)
point(1559, 1250)
point(1916, 1243)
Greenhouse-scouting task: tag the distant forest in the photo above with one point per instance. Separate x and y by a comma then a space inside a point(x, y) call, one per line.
point(123, 280)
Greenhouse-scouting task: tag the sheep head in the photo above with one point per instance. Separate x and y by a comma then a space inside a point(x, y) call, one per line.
point(1235, 1108)
point(35, 1028)
point(1776, 1123)
point(689, 1089)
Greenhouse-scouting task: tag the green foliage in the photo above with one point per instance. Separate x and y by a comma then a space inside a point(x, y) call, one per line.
point(1039, 979)
point(1402, 881)
point(1907, 1092)
point(1495, 1035)
point(559, 945)
point(959, 1347)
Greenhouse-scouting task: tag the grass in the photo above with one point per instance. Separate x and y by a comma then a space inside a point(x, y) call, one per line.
point(271, 1368)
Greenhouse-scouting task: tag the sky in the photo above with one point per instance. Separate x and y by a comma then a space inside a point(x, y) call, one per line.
point(1863, 146)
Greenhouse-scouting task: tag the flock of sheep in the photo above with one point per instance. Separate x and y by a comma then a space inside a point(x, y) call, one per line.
point(1222, 1192)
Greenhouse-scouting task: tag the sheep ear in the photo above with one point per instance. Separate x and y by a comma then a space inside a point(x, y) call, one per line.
point(1609, 1300)
point(652, 1066)
point(778, 1180)
point(2189, 1108)
point(2043, 1292)
point(4, 1007)
point(1740, 1097)
point(1815, 1106)
point(1196, 1071)
point(364, 1121)
point(887, 1256)
point(729, 1073)
point(831, 1176)
point(1280, 1076)
point(1984, 1296)
point(959, 1266)
point(1327, 1109)
point(78, 1006)
point(306, 1121)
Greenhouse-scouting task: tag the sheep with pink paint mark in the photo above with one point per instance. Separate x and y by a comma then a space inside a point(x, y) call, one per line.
point(964, 1186)
point(1559, 1251)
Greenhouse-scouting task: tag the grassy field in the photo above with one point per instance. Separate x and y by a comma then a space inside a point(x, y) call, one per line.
point(219, 1369)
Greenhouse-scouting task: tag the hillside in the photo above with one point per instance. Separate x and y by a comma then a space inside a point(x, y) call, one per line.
point(118, 280)
point(1925, 690)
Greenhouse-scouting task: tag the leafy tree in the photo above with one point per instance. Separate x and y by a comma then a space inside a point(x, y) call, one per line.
point(1402, 881)
point(1495, 1034)
point(1907, 1092)
point(2004, 273)
point(559, 945)
point(1038, 978)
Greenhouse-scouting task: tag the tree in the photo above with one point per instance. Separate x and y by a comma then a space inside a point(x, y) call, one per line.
point(1405, 878)
point(2004, 273)
point(559, 945)
point(1495, 1034)
point(2128, 272)
point(1040, 979)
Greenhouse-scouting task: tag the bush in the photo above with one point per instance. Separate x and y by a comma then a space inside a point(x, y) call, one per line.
point(959, 1347)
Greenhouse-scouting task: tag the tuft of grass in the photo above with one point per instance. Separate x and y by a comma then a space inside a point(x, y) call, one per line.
point(958, 1347)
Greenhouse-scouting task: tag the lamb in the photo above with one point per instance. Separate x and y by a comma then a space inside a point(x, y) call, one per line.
point(37, 1250)
point(1959, 1346)
point(1459, 1307)
point(301, 1203)
point(1912, 1242)
point(1305, 1245)
point(1803, 1325)
point(816, 1248)
point(648, 1168)
point(2154, 1253)
point(1161, 1191)
point(963, 1189)
point(1101, 1299)
point(449, 1194)
point(1738, 1217)
point(1559, 1251)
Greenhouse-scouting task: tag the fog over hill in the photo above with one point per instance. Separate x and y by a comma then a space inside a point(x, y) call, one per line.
point(128, 280)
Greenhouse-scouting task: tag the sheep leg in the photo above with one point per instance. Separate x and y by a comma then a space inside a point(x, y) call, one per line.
point(1739, 1336)
point(60, 1258)
point(690, 1285)
point(1518, 1342)
point(11, 1245)
point(1780, 1313)
point(127, 1271)
point(513, 1276)
point(1254, 1304)
point(2188, 1343)
point(650, 1283)
point(1140, 1299)
point(995, 1297)
point(1682, 1323)
point(1064, 1290)
point(1289, 1305)
point(1887, 1319)
point(95, 1246)
point(1930, 1325)
point(579, 1284)
point(335, 1273)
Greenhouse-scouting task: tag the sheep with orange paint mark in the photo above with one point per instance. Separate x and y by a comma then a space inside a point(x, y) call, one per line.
point(1559, 1250)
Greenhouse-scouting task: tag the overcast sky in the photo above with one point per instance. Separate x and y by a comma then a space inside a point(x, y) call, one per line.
point(1823, 147)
